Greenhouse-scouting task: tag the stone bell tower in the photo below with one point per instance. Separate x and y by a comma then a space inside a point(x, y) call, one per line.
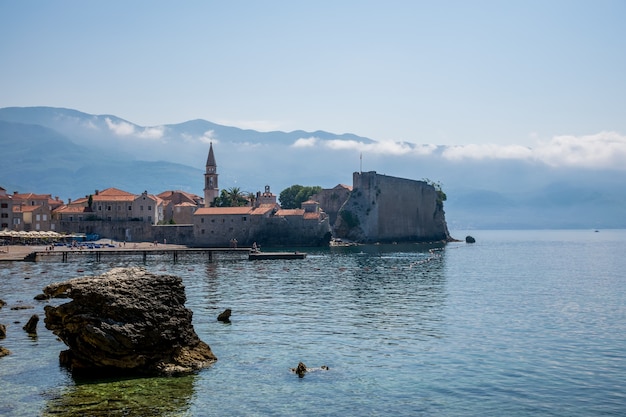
point(211, 189)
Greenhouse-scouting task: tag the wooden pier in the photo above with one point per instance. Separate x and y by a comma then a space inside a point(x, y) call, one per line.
point(65, 255)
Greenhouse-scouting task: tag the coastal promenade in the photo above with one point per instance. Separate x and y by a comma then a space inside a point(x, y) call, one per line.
point(142, 250)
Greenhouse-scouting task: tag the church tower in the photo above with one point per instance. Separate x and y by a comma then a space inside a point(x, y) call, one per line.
point(211, 190)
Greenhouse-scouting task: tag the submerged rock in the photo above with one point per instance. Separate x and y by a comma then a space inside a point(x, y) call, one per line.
point(302, 369)
point(126, 321)
point(4, 351)
point(224, 316)
point(31, 326)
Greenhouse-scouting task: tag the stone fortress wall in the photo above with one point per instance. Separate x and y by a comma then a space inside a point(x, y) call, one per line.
point(382, 208)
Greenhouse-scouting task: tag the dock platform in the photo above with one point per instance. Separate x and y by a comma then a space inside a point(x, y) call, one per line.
point(257, 256)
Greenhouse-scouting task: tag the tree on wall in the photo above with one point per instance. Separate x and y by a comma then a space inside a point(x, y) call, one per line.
point(292, 197)
point(441, 196)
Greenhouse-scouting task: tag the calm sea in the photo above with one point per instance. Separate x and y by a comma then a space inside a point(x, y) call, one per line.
point(521, 323)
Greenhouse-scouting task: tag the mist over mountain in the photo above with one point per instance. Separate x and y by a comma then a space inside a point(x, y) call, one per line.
point(69, 154)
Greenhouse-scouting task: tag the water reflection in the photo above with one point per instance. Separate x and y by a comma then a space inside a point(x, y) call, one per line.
point(398, 290)
point(166, 396)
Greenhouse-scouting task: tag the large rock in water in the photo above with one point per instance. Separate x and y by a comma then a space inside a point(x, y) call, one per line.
point(126, 321)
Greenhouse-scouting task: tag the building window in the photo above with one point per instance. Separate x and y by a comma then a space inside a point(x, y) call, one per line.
point(149, 208)
point(4, 205)
point(245, 218)
point(141, 208)
point(130, 208)
point(38, 217)
point(202, 231)
point(4, 215)
point(150, 218)
point(71, 218)
point(99, 208)
point(45, 217)
point(108, 208)
point(202, 220)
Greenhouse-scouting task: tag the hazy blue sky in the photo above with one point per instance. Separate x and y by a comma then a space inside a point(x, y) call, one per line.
point(426, 72)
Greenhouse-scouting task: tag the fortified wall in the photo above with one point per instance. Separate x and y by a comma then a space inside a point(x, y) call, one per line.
point(132, 231)
point(264, 231)
point(387, 209)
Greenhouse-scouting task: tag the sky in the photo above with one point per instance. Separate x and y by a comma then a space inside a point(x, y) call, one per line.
point(485, 76)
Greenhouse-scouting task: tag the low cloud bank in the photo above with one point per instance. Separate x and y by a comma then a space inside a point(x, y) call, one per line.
point(382, 148)
point(122, 128)
point(602, 150)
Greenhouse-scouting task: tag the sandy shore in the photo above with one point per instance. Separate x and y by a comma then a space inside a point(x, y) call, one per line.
point(19, 252)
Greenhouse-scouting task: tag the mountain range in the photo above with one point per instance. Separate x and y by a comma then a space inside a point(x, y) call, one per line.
point(68, 153)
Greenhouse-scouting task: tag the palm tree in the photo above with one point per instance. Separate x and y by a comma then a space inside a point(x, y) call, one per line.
point(251, 198)
point(237, 197)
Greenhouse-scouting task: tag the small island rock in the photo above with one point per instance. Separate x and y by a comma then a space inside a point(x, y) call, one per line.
point(126, 321)
point(225, 316)
point(469, 239)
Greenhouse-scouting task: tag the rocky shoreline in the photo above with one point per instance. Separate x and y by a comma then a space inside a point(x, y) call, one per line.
point(126, 321)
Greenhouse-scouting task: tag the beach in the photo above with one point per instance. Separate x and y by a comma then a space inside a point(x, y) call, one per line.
point(20, 252)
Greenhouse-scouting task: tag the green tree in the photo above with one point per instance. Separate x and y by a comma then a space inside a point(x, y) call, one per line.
point(292, 197)
point(232, 197)
point(441, 196)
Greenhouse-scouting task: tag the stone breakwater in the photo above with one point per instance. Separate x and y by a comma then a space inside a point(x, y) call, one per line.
point(126, 321)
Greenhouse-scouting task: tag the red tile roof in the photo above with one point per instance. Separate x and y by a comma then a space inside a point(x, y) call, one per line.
point(206, 211)
point(72, 209)
point(31, 196)
point(113, 192)
point(290, 212)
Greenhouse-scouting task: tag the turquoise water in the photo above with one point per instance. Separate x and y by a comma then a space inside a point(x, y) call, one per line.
point(519, 323)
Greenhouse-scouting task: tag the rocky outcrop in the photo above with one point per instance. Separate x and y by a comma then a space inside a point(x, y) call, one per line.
point(3, 331)
point(126, 321)
point(469, 239)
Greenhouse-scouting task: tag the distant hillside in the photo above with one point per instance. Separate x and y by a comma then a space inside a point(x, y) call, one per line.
point(68, 153)
point(38, 159)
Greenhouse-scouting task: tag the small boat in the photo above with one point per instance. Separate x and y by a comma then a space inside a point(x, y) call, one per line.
point(257, 256)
